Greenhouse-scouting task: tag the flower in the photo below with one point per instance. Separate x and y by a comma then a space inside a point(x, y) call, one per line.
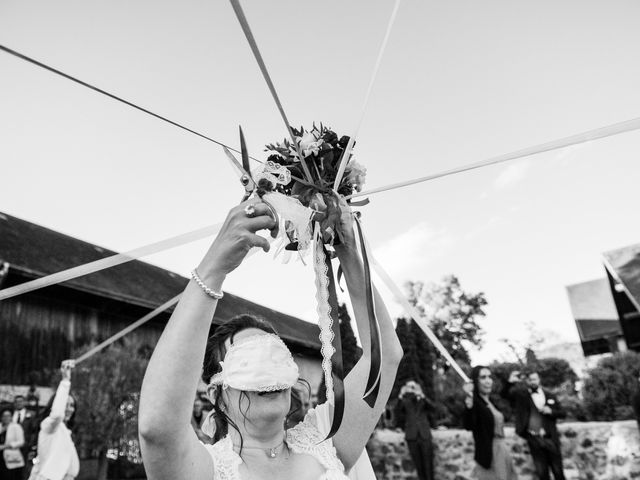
point(309, 144)
point(322, 150)
point(330, 137)
point(356, 174)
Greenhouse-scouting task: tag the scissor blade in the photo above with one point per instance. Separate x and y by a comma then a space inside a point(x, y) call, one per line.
point(234, 161)
point(245, 153)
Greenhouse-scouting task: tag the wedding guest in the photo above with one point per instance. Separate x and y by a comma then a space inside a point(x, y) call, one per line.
point(33, 399)
point(11, 441)
point(197, 418)
point(27, 418)
point(536, 412)
point(250, 372)
point(412, 414)
point(57, 456)
point(486, 422)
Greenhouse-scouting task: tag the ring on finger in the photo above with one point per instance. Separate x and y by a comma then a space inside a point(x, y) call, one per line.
point(250, 210)
point(272, 210)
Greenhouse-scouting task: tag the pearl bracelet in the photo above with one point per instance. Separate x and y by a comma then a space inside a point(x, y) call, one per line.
point(207, 290)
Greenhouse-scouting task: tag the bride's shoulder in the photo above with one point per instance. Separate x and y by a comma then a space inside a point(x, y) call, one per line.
point(225, 460)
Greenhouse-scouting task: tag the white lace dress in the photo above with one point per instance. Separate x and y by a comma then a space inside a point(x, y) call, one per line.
point(305, 438)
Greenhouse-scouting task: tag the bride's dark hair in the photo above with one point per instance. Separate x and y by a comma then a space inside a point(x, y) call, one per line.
point(214, 354)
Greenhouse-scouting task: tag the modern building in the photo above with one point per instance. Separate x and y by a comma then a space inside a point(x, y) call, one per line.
point(607, 310)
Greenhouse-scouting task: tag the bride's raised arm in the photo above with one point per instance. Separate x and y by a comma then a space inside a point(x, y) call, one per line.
point(170, 449)
point(359, 418)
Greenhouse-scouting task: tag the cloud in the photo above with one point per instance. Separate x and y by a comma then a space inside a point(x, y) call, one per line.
point(511, 175)
point(570, 153)
point(405, 255)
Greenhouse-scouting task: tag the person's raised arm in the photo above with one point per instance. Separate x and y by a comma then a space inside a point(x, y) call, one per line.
point(170, 448)
point(359, 419)
point(56, 416)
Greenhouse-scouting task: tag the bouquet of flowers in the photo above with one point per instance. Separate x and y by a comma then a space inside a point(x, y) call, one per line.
point(311, 187)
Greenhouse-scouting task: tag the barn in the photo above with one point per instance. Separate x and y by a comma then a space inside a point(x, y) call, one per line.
point(41, 328)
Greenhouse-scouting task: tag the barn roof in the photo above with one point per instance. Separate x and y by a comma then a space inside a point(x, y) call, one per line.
point(34, 251)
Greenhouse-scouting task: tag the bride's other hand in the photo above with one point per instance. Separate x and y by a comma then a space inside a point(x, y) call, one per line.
point(236, 237)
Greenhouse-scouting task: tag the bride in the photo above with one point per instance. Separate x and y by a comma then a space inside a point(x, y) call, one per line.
point(250, 372)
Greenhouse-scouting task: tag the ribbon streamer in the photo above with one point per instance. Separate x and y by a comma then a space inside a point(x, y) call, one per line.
point(337, 364)
point(108, 262)
point(111, 95)
point(414, 313)
point(329, 324)
point(347, 151)
point(242, 19)
point(603, 132)
point(373, 382)
point(129, 329)
point(139, 322)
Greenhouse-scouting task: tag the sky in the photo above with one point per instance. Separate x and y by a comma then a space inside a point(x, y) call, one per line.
point(460, 81)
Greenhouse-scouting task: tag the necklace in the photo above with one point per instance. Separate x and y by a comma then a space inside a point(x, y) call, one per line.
point(270, 452)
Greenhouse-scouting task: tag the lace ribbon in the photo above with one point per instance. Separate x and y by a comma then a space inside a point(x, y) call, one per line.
point(331, 342)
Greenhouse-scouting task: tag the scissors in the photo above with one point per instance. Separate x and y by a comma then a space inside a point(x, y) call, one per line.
point(245, 169)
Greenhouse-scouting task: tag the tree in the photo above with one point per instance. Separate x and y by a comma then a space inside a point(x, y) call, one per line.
point(418, 361)
point(451, 312)
point(107, 386)
point(351, 352)
point(556, 373)
point(609, 387)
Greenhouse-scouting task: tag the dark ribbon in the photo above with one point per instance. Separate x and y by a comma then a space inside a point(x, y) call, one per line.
point(373, 383)
point(111, 95)
point(337, 368)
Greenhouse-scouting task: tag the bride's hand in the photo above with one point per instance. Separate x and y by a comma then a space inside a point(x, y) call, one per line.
point(236, 237)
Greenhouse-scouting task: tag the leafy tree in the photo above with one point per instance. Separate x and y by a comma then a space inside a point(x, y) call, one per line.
point(609, 387)
point(107, 386)
point(418, 361)
point(351, 352)
point(451, 312)
point(556, 373)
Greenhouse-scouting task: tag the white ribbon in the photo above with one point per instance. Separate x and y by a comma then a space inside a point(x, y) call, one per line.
point(108, 262)
point(603, 132)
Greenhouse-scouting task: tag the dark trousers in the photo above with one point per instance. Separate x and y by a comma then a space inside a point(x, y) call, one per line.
point(546, 456)
point(421, 451)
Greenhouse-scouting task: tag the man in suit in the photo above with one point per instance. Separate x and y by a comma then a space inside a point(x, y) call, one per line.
point(28, 420)
point(536, 412)
point(412, 414)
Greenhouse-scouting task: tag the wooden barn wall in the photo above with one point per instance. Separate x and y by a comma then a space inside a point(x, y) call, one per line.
point(37, 333)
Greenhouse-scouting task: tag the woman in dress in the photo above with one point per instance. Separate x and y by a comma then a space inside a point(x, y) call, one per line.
point(250, 372)
point(486, 422)
point(57, 457)
point(11, 440)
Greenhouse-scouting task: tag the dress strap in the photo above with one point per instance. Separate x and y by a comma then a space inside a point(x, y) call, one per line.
point(226, 461)
point(306, 438)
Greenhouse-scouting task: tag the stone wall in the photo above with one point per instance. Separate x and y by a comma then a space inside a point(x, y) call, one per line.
point(591, 451)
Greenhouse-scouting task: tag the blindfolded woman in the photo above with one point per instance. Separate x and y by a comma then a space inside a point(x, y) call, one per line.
point(250, 372)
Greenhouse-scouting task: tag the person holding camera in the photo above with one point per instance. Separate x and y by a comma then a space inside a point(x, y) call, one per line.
point(536, 412)
point(412, 414)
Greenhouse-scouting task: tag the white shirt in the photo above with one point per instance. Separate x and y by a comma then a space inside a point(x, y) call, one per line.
point(539, 400)
point(19, 415)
